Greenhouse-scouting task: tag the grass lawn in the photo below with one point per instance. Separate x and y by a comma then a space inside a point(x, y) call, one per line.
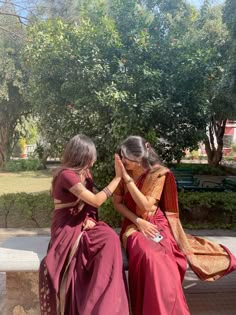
point(34, 181)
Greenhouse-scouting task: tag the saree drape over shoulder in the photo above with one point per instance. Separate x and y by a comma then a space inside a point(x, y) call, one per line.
point(82, 273)
point(156, 270)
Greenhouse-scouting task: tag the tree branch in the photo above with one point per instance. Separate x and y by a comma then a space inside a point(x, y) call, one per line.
point(6, 30)
point(15, 15)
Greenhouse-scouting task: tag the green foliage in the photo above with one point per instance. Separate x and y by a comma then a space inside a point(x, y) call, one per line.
point(217, 209)
point(35, 210)
point(108, 214)
point(25, 210)
point(153, 68)
point(23, 165)
point(12, 80)
point(197, 210)
point(234, 148)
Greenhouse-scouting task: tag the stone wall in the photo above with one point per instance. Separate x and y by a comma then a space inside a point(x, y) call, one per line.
point(22, 293)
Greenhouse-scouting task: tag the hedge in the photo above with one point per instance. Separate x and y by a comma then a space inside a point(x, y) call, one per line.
point(197, 210)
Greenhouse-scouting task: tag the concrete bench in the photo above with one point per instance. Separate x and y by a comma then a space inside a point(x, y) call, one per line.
point(20, 257)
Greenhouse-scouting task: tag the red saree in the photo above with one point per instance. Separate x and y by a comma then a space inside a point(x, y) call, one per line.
point(156, 270)
point(82, 273)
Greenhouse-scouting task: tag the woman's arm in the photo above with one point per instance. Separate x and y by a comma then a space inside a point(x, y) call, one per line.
point(123, 210)
point(95, 200)
point(144, 203)
point(144, 226)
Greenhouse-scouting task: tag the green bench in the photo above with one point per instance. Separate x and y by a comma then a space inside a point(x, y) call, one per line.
point(200, 189)
point(227, 184)
point(185, 179)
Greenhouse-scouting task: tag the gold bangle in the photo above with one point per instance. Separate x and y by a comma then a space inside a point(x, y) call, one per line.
point(129, 181)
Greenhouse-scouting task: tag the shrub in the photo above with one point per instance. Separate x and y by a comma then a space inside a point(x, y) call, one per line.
point(108, 214)
point(35, 210)
point(25, 210)
point(208, 208)
point(23, 165)
point(197, 210)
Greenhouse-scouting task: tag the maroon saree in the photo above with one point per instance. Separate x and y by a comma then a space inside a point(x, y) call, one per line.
point(82, 273)
point(156, 270)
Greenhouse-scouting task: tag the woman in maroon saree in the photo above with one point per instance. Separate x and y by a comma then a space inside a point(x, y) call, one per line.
point(147, 198)
point(82, 273)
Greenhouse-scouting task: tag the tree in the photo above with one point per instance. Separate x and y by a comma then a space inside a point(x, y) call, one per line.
point(129, 67)
point(230, 20)
point(221, 102)
point(12, 102)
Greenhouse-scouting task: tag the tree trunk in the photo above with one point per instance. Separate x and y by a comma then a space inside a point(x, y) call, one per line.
point(214, 143)
point(5, 141)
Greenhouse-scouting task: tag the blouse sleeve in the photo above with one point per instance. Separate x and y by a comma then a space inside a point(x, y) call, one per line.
point(155, 187)
point(69, 179)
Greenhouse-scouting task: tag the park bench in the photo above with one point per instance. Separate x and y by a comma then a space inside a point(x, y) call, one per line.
point(193, 188)
point(182, 170)
point(20, 258)
point(184, 178)
point(227, 185)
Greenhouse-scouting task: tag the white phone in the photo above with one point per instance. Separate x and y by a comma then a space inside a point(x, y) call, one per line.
point(157, 238)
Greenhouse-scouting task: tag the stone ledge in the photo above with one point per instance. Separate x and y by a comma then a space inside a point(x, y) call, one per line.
point(23, 253)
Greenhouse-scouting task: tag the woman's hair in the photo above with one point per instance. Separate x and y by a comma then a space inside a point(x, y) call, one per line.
point(79, 153)
point(137, 149)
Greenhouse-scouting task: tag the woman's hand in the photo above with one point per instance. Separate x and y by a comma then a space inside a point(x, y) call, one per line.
point(88, 224)
point(118, 167)
point(124, 173)
point(148, 229)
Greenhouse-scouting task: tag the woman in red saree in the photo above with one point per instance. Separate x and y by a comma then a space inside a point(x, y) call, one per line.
point(147, 198)
point(82, 273)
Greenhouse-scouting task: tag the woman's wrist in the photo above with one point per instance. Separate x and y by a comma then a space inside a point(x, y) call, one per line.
point(128, 180)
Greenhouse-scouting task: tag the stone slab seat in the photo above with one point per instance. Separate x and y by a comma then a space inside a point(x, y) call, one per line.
point(20, 257)
point(24, 253)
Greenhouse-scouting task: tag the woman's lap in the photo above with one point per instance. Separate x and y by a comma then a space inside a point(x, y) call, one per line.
point(155, 281)
point(95, 277)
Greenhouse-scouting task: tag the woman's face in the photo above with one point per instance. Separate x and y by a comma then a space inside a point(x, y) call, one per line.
point(129, 164)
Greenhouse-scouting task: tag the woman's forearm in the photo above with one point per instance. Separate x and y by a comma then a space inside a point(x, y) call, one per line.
point(143, 203)
point(101, 196)
point(125, 212)
point(96, 200)
point(143, 226)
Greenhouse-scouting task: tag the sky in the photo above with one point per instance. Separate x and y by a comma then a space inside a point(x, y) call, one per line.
point(29, 4)
point(198, 3)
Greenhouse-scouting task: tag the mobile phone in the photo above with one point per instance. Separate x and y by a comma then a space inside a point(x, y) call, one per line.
point(157, 238)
